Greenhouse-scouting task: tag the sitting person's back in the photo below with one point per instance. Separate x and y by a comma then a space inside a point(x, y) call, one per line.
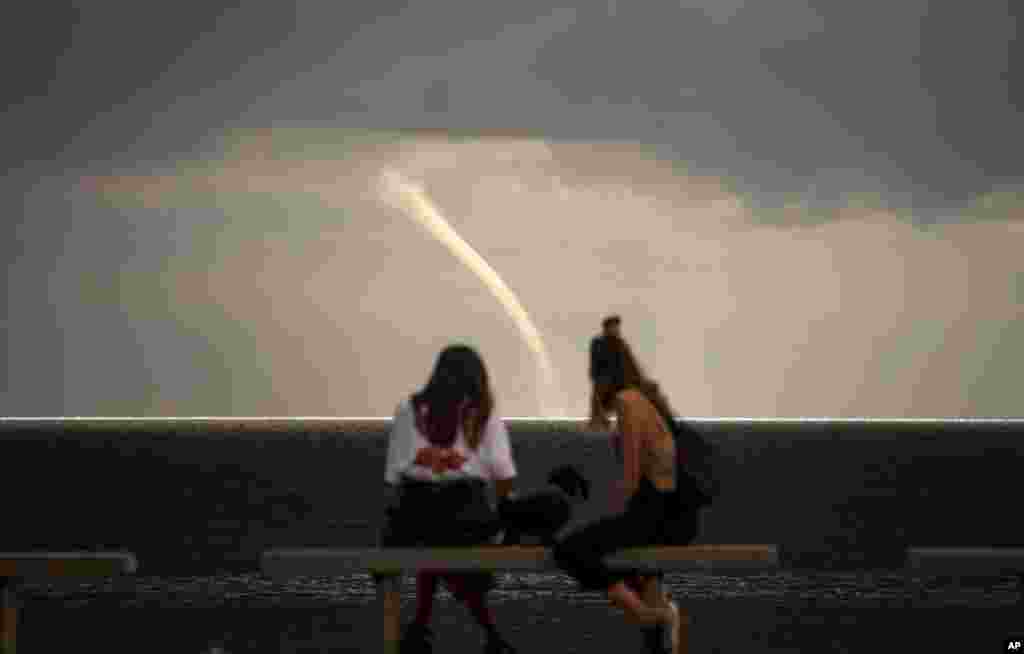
point(446, 445)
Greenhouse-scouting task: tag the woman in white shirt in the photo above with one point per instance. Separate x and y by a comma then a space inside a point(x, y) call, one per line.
point(446, 445)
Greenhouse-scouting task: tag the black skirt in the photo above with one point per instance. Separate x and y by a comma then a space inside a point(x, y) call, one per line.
point(438, 514)
point(443, 514)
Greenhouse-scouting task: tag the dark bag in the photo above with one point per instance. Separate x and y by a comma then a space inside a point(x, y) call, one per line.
point(542, 513)
point(539, 514)
point(697, 483)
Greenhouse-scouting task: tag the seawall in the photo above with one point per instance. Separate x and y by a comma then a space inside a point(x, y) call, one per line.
point(192, 496)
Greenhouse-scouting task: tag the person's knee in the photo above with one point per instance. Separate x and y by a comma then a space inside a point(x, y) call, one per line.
point(622, 595)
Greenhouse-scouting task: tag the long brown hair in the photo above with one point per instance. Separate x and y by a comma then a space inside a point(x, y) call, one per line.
point(613, 368)
point(457, 393)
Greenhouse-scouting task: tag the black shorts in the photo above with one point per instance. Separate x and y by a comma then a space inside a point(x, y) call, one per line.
point(651, 518)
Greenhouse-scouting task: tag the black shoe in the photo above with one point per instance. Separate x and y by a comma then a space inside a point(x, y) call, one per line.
point(498, 645)
point(417, 639)
point(654, 639)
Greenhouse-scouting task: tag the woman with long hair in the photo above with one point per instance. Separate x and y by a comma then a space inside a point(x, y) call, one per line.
point(646, 503)
point(446, 445)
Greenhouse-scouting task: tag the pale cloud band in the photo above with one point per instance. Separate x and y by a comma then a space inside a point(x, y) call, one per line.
point(868, 314)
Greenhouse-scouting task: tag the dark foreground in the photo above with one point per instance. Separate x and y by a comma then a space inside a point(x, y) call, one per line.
point(196, 497)
point(783, 612)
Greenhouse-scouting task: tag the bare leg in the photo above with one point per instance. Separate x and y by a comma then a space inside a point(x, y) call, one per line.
point(426, 587)
point(475, 601)
point(637, 611)
point(653, 595)
point(651, 592)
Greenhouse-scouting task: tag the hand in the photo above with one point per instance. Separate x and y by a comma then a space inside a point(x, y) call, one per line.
point(453, 460)
point(431, 457)
point(439, 459)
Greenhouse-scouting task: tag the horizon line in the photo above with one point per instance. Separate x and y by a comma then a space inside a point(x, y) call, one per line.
point(507, 418)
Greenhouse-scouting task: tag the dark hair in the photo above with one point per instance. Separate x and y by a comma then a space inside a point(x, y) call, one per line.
point(613, 368)
point(611, 321)
point(459, 377)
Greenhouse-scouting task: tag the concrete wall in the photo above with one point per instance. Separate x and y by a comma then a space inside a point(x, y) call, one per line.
point(193, 496)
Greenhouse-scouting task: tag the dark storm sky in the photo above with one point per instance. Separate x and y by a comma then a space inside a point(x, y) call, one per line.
point(920, 93)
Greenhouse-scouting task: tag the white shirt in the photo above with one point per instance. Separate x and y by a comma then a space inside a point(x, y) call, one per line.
point(492, 460)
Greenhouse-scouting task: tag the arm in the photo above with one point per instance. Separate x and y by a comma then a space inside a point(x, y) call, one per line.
point(598, 419)
point(439, 459)
point(500, 464)
point(390, 497)
point(401, 441)
point(403, 450)
point(398, 458)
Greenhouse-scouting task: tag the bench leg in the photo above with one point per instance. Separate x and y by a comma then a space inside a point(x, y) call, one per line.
point(391, 610)
point(913, 588)
point(684, 630)
point(8, 616)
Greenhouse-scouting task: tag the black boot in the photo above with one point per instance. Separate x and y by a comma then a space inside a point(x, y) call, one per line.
point(654, 639)
point(417, 639)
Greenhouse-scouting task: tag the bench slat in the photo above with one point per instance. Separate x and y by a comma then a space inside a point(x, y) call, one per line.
point(966, 560)
point(41, 565)
point(332, 561)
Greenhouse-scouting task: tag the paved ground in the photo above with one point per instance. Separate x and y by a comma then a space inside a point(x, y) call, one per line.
point(784, 612)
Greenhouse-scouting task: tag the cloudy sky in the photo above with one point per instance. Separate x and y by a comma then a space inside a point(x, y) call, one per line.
point(798, 210)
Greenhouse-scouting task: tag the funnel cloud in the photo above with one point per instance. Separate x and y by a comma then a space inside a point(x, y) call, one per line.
point(414, 199)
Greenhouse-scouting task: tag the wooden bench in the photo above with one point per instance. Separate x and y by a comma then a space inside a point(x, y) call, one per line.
point(325, 562)
point(16, 567)
point(964, 561)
